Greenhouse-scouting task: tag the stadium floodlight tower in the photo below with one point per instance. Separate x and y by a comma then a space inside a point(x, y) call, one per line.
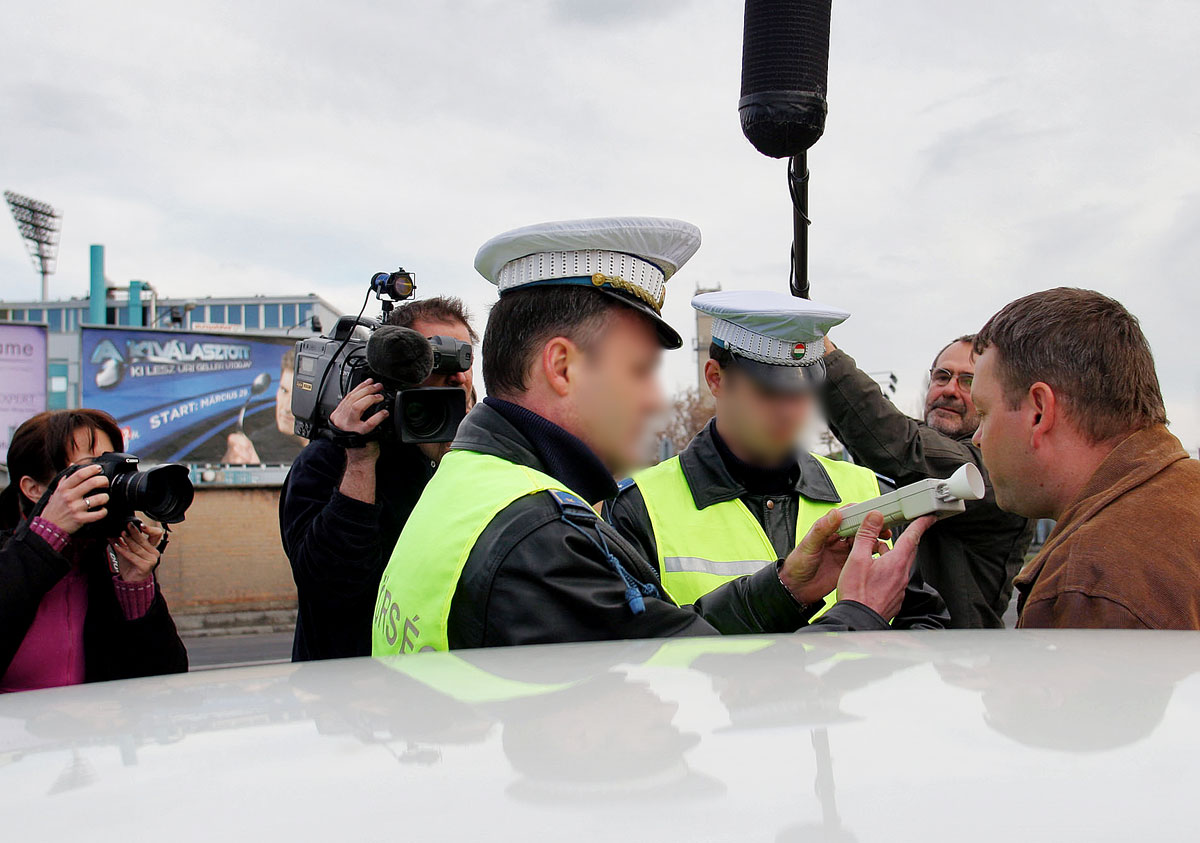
point(39, 225)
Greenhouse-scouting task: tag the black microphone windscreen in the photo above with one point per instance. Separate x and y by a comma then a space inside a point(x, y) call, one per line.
point(399, 355)
point(785, 72)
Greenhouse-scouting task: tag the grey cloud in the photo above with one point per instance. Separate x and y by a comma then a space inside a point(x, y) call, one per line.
point(1073, 237)
point(41, 106)
point(973, 92)
point(1179, 247)
point(959, 148)
point(615, 13)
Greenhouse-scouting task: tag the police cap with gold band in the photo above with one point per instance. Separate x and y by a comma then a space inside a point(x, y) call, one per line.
point(774, 337)
point(628, 258)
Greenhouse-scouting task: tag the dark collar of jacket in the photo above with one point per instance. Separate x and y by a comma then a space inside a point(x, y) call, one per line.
point(519, 435)
point(711, 482)
point(403, 461)
point(1135, 460)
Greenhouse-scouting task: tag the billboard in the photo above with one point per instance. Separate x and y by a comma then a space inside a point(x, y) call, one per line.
point(184, 396)
point(22, 378)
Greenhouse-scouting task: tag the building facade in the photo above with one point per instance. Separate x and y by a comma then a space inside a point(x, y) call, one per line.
point(276, 315)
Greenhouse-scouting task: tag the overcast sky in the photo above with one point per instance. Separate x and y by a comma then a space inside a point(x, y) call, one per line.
point(974, 152)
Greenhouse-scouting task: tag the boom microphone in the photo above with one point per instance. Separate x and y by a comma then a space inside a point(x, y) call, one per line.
point(399, 355)
point(785, 71)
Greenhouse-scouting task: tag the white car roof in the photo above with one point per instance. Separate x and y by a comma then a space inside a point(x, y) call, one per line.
point(893, 736)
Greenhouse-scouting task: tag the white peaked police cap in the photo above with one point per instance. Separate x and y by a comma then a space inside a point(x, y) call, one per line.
point(628, 258)
point(774, 336)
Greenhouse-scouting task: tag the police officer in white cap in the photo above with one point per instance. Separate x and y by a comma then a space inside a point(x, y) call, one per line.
point(505, 546)
point(740, 495)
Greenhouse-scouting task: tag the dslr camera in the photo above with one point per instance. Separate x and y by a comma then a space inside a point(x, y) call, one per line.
point(163, 492)
point(401, 359)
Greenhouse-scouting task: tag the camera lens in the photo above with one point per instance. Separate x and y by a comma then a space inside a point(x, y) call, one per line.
point(423, 418)
point(163, 492)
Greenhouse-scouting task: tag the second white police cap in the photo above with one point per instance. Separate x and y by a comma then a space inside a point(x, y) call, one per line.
point(775, 337)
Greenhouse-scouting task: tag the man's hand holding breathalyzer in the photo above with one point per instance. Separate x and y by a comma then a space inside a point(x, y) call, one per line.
point(879, 583)
point(811, 571)
point(865, 570)
point(359, 480)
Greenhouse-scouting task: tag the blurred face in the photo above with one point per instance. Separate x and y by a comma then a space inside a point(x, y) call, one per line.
point(284, 420)
point(949, 408)
point(1004, 438)
point(614, 389)
point(760, 426)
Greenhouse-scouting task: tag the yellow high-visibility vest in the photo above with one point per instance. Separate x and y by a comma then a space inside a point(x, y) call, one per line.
point(468, 490)
point(701, 549)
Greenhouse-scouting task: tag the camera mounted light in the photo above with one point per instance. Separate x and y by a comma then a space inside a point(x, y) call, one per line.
point(397, 286)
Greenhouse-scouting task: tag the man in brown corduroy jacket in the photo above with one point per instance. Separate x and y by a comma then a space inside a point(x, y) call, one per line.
point(1072, 427)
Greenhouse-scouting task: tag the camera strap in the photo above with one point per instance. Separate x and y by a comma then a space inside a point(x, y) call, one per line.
point(50, 489)
point(343, 438)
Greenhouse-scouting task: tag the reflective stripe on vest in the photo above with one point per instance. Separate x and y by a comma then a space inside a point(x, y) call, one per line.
point(468, 490)
point(701, 549)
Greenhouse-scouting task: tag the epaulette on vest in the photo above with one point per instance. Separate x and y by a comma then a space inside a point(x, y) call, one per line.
point(572, 506)
point(625, 484)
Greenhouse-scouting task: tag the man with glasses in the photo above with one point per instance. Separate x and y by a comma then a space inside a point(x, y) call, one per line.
point(970, 559)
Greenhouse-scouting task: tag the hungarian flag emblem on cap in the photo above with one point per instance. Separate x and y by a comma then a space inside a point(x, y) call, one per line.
point(798, 351)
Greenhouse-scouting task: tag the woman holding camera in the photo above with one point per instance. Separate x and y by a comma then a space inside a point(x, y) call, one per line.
point(75, 606)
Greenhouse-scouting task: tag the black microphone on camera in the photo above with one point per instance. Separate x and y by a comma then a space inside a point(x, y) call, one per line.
point(785, 72)
point(399, 355)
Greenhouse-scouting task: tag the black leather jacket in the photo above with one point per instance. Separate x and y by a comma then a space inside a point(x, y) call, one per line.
point(113, 647)
point(711, 483)
point(339, 546)
point(539, 573)
point(970, 559)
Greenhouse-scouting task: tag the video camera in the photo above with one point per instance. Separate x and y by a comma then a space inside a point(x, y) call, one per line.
point(401, 359)
point(163, 492)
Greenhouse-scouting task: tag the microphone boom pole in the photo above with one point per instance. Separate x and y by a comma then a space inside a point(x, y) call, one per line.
point(798, 187)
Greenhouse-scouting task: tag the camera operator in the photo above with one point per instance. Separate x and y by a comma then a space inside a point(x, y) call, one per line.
point(342, 509)
point(75, 606)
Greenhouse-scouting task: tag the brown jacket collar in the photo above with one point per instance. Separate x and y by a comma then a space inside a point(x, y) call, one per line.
point(1135, 460)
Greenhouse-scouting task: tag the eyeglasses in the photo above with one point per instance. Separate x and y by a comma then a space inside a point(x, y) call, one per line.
point(942, 377)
